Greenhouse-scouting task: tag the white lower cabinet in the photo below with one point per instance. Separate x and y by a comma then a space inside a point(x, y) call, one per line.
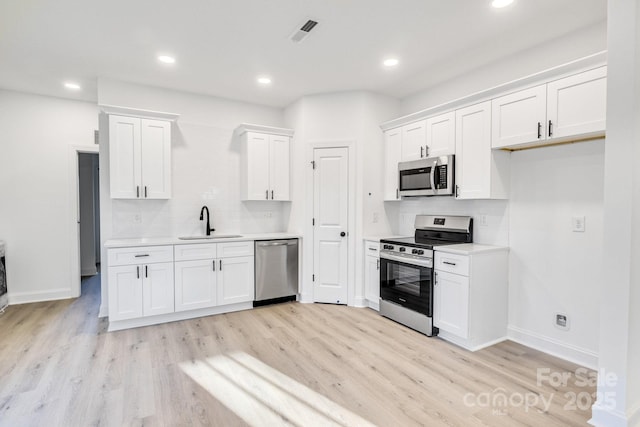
point(146, 281)
point(195, 285)
point(470, 297)
point(138, 289)
point(372, 274)
point(235, 280)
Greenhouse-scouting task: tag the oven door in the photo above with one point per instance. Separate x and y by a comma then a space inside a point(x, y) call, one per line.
point(405, 282)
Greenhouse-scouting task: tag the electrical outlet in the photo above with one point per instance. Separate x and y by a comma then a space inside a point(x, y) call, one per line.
point(561, 321)
point(484, 221)
point(137, 218)
point(578, 224)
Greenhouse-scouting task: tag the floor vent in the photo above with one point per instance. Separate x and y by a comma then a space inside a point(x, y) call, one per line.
point(302, 33)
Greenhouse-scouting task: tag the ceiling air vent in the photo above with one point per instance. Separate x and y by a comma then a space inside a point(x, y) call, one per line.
point(302, 33)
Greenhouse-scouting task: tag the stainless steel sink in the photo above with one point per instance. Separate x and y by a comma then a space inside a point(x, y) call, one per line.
point(212, 237)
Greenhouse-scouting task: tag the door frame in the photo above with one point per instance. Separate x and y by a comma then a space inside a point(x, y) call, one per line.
point(74, 214)
point(306, 294)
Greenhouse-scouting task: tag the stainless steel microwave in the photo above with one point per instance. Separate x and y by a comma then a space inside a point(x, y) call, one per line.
point(433, 176)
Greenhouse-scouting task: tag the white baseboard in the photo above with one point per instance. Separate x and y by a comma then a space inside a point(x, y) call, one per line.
point(602, 417)
point(39, 296)
point(104, 311)
point(572, 353)
point(360, 302)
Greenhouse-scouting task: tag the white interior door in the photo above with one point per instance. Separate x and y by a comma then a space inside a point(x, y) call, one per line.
point(330, 212)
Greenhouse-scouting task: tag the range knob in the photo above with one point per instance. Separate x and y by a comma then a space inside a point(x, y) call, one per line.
point(388, 247)
point(402, 249)
point(414, 251)
point(420, 252)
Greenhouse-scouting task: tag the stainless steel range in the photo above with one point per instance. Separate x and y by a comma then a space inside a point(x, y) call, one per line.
point(406, 269)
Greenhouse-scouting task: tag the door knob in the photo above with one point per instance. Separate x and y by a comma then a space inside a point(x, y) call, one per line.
point(342, 234)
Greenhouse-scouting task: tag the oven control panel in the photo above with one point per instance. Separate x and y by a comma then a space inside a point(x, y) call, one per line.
point(406, 251)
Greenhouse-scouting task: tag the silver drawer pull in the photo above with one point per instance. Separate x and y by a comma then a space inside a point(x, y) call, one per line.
point(373, 249)
point(142, 256)
point(449, 263)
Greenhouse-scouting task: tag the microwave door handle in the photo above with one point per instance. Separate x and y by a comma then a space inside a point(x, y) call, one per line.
point(432, 176)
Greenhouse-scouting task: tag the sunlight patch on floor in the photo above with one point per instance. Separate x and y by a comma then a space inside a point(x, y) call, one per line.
point(263, 396)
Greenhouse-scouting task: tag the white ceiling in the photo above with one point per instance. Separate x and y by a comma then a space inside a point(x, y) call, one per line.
point(222, 46)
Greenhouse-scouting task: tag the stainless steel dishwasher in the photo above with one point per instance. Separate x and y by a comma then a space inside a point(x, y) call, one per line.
point(276, 271)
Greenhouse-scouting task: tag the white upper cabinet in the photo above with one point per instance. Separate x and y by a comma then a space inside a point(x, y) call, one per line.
point(392, 156)
point(577, 105)
point(570, 108)
point(140, 158)
point(519, 117)
point(414, 141)
point(441, 135)
point(266, 166)
point(480, 172)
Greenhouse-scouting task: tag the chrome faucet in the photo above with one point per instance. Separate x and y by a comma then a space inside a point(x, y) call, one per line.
point(208, 229)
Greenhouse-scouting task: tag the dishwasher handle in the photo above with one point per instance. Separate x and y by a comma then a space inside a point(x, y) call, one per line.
point(277, 243)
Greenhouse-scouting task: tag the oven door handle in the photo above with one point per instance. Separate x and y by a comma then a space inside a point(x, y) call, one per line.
point(420, 262)
point(432, 176)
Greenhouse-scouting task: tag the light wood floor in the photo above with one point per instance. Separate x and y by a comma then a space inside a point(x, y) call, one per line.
point(290, 364)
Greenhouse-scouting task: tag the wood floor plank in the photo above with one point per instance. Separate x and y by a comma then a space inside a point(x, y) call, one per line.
point(287, 364)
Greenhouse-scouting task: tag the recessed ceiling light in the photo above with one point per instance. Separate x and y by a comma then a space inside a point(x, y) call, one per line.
point(391, 62)
point(72, 86)
point(501, 3)
point(264, 80)
point(165, 59)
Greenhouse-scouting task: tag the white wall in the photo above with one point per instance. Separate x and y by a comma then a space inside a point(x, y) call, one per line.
point(36, 133)
point(539, 58)
point(553, 269)
point(205, 169)
point(347, 116)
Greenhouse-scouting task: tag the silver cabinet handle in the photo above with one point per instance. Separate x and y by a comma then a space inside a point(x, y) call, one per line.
point(271, 194)
point(137, 271)
point(145, 191)
point(141, 255)
point(146, 271)
point(449, 263)
point(378, 264)
point(137, 191)
point(550, 129)
point(426, 151)
point(214, 265)
point(266, 194)
point(220, 265)
point(397, 193)
point(372, 249)
point(421, 152)
point(539, 130)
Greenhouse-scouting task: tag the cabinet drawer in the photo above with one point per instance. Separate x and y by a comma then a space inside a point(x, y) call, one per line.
point(195, 251)
point(371, 248)
point(140, 255)
point(232, 249)
point(457, 264)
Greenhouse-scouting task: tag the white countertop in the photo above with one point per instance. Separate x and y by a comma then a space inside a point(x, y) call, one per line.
point(469, 248)
point(158, 241)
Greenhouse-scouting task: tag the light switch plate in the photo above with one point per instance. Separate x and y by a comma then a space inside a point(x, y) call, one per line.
point(578, 224)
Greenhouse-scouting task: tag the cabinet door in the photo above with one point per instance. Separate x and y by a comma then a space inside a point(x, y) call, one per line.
point(578, 104)
point(125, 173)
point(125, 292)
point(473, 151)
point(441, 132)
point(157, 289)
point(257, 152)
point(156, 159)
point(451, 303)
point(279, 167)
point(392, 155)
point(235, 280)
point(195, 284)
point(414, 141)
point(519, 118)
point(372, 279)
